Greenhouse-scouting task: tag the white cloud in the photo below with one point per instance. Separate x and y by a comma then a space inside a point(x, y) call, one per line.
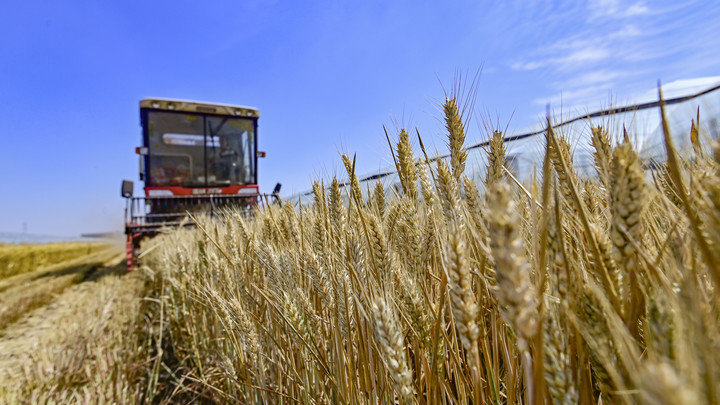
point(602, 76)
point(584, 56)
point(586, 48)
point(628, 31)
point(577, 58)
point(574, 96)
point(618, 46)
point(615, 9)
point(635, 10)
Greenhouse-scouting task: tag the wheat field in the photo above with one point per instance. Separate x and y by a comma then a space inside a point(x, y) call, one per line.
point(22, 258)
point(567, 290)
point(455, 290)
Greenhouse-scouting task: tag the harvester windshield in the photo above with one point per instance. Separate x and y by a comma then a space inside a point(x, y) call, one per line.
point(198, 150)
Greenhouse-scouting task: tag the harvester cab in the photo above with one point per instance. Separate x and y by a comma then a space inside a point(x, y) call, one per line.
point(195, 159)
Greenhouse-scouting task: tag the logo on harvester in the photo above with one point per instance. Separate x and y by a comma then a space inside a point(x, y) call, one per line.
point(200, 191)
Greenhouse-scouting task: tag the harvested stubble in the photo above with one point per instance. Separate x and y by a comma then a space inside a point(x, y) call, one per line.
point(84, 347)
point(594, 290)
point(33, 289)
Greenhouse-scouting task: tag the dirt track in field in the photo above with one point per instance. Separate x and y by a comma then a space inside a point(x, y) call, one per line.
point(37, 306)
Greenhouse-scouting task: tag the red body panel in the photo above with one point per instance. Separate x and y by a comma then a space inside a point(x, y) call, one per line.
point(248, 189)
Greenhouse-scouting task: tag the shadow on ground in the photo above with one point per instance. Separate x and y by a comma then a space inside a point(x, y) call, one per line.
point(97, 273)
point(90, 271)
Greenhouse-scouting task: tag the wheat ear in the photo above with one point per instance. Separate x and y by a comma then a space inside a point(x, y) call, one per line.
point(406, 166)
point(379, 198)
point(456, 134)
point(514, 291)
point(391, 344)
point(602, 154)
point(558, 371)
point(355, 192)
point(462, 298)
point(447, 188)
point(660, 384)
point(627, 196)
point(496, 158)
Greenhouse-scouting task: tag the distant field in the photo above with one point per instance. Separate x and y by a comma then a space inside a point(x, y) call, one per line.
point(33, 239)
point(21, 258)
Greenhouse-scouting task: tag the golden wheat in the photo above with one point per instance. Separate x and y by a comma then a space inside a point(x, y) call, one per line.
point(604, 290)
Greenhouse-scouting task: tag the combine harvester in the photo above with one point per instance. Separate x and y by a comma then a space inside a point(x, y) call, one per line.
point(197, 158)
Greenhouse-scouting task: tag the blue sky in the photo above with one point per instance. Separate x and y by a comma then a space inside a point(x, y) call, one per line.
point(326, 76)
